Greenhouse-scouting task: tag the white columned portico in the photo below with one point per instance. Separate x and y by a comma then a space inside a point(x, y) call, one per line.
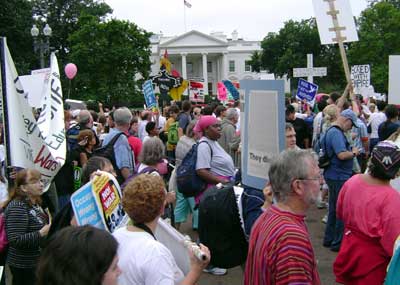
point(184, 72)
point(205, 74)
point(224, 65)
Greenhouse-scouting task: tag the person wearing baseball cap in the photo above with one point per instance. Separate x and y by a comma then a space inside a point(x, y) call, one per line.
point(340, 169)
point(369, 208)
point(349, 114)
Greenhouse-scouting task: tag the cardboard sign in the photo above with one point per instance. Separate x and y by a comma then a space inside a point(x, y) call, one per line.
point(394, 79)
point(262, 128)
point(149, 95)
point(361, 76)
point(306, 90)
point(345, 18)
point(98, 203)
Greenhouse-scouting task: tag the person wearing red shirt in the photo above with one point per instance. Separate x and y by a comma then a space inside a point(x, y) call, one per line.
point(369, 208)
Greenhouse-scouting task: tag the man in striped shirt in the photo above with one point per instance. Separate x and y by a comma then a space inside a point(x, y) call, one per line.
point(280, 250)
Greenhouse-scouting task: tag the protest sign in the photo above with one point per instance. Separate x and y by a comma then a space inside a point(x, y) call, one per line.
point(174, 241)
point(342, 10)
point(29, 145)
point(306, 91)
point(196, 92)
point(360, 76)
point(336, 25)
point(148, 93)
point(263, 128)
point(98, 203)
point(394, 79)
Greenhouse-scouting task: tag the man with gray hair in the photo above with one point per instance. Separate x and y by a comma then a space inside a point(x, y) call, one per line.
point(229, 139)
point(124, 156)
point(280, 250)
point(85, 122)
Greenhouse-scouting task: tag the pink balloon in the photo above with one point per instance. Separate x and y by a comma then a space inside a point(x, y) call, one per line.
point(70, 70)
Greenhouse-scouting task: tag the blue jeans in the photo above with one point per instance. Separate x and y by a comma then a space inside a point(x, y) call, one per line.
point(334, 226)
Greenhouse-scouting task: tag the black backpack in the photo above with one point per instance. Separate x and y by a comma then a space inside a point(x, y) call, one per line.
point(107, 151)
point(220, 227)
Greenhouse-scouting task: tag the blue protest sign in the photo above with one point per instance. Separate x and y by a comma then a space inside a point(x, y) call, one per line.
point(306, 90)
point(85, 208)
point(148, 93)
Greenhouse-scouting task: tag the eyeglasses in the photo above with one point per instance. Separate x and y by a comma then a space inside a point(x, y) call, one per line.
point(319, 178)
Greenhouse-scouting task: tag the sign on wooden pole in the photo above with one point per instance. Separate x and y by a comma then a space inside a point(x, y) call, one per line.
point(336, 25)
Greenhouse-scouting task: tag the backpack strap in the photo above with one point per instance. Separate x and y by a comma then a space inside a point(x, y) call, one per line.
point(115, 138)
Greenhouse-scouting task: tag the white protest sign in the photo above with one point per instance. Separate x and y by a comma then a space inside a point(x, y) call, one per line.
point(261, 146)
point(394, 79)
point(27, 145)
point(360, 77)
point(324, 13)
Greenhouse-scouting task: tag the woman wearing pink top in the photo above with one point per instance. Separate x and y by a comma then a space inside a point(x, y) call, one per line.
point(369, 208)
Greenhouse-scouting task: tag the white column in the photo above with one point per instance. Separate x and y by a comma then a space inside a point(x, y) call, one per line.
point(310, 66)
point(225, 65)
point(205, 74)
point(184, 73)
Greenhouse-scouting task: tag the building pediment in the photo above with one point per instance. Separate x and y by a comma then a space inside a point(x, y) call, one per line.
point(193, 39)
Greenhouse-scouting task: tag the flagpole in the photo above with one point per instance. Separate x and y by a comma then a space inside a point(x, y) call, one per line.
point(5, 108)
point(184, 15)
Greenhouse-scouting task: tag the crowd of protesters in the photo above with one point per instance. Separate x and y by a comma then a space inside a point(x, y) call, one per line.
point(358, 137)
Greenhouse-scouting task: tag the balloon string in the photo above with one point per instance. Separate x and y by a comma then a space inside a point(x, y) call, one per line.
point(69, 88)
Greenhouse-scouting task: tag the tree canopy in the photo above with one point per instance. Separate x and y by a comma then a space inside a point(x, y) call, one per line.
point(378, 29)
point(379, 34)
point(109, 56)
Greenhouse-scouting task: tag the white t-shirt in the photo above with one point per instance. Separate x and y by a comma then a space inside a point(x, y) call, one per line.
point(375, 120)
point(145, 261)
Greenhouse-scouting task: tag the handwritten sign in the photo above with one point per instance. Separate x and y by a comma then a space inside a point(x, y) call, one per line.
point(33, 145)
point(361, 76)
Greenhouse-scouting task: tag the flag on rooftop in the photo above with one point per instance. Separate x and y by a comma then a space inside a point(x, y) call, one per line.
point(187, 4)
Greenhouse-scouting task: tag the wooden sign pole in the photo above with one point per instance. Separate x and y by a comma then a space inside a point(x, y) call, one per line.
point(333, 12)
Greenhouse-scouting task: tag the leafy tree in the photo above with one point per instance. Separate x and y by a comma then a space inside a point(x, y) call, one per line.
point(108, 56)
point(63, 15)
point(379, 33)
point(255, 61)
point(395, 3)
point(287, 49)
point(15, 25)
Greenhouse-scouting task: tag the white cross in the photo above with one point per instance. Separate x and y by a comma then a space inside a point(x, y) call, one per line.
point(310, 72)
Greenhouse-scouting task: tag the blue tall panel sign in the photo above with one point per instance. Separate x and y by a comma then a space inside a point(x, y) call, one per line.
point(263, 128)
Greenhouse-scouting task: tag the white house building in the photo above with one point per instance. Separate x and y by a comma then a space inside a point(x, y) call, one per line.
point(208, 58)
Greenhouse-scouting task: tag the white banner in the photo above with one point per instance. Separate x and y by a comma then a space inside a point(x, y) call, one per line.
point(29, 146)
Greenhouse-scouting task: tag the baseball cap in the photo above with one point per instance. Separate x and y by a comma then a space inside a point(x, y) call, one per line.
point(349, 114)
point(386, 155)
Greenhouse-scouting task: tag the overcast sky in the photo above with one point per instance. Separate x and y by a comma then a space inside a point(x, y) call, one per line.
point(253, 19)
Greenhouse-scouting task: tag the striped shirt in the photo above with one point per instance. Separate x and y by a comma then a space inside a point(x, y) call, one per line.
point(280, 251)
point(23, 223)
